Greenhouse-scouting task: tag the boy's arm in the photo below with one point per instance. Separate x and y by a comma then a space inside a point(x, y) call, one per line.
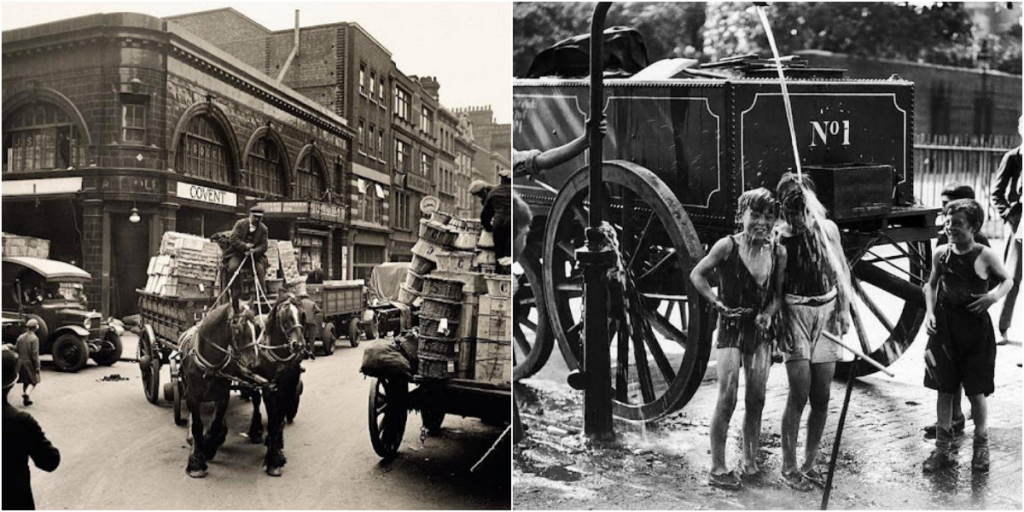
point(781, 258)
point(832, 231)
point(562, 154)
point(996, 270)
point(933, 283)
point(704, 268)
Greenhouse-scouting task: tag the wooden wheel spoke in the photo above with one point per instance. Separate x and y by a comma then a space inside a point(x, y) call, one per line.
point(872, 306)
point(643, 370)
point(657, 266)
point(529, 324)
point(622, 368)
point(888, 261)
point(664, 326)
point(640, 241)
point(664, 366)
point(862, 333)
point(522, 344)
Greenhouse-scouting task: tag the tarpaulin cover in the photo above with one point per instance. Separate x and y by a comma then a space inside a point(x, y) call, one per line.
point(385, 281)
point(625, 53)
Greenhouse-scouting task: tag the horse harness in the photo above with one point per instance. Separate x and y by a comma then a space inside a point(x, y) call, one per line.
point(291, 346)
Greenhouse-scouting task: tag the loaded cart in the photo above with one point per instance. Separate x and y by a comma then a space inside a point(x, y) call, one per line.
point(458, 360)
point(336, 307)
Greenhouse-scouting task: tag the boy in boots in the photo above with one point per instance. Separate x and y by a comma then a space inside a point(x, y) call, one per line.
point(961, 347)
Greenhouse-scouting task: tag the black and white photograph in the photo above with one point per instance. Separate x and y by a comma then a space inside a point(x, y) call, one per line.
point(767, 255)
point(257, 256)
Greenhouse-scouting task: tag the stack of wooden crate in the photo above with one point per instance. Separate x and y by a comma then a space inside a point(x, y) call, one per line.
point(25, 246)
point(186, 267)
point(493, 361)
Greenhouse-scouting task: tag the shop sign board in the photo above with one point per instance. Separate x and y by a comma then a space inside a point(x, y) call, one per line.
point(419, 184)
point(42, 187)
point(130, 185)
point(206, 194)
point(312, 210)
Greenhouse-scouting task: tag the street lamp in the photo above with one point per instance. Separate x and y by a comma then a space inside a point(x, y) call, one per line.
point(134, 218)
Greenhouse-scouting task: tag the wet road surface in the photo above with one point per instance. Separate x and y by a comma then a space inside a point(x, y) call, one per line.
point(666, 466)
point(120, 452)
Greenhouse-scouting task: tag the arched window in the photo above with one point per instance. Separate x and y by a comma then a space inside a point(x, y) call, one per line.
point(309, 181)
point(203, 151)
point(40, 136)
point(264, 171)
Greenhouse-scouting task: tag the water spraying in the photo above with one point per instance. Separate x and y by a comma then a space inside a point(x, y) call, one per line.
point(782, 81)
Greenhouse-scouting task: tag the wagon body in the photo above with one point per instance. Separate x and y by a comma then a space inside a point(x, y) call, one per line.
point(677, 155)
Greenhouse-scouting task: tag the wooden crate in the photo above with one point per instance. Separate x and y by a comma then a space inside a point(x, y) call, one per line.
point(343, 297)
point(493, 362)
point(494, 327)
point(465, 366)
point(491, 305)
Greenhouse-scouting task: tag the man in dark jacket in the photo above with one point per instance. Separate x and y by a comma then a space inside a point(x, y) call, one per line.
point(1006, 196)
point(496, 217)
point(248, 237)
point(23, 439)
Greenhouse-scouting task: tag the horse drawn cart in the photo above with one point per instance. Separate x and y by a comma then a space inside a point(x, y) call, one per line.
point(679, 150)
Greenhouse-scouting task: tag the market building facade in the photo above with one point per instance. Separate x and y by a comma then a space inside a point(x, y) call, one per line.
point(120, 127)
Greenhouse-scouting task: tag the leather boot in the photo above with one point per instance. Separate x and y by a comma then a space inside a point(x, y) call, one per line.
point(980, 461)
point(942, 457)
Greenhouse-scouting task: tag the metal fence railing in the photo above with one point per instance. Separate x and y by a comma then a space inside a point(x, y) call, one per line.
point(943, 159)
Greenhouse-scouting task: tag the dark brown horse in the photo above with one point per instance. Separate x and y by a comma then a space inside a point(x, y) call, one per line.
point(220, 349)
point(281, 347)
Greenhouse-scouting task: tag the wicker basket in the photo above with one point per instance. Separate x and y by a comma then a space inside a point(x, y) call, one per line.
point(437, 233)
point(407, 295)
point(499, 285)
point(440, 217)
point(441, 348)
point(488, 269)
point(485, 257)
point(441, 288)
point(486, 240)
point(421, 265)
point(414, 281)
point(427, 250)
point(455, 261)
point(440, 308)
point(432, 327)
point(466, 240)
point(435, 367)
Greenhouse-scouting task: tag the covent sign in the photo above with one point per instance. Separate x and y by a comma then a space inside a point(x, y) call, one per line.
point(207, 194)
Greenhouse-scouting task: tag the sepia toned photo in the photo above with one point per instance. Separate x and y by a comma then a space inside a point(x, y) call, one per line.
point(767, 255)
point(256, 256)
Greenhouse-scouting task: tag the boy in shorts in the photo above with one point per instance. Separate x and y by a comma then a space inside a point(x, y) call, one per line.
point(750, 269)
point(815, 300)
point(961, 347)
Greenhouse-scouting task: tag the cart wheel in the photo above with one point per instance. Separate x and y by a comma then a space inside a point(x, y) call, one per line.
point(329, 338)
point(657, 319)
point(149, 364)
point(180, 412)
point(887, 277)
point(353, 332)
point(110, 356)
point(432, 419)
point(530, 328)
point(294, 410)
point(387, 415)
point(70, 353)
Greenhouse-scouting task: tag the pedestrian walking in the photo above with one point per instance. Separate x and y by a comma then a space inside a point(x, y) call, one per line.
point(750, 267)
point(961, 347)
point(29, 369)
point(23, 439)
point(1006, 196)
point(816, 299)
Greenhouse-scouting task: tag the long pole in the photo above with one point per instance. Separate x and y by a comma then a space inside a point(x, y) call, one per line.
point(596, 258)
point(839, 435)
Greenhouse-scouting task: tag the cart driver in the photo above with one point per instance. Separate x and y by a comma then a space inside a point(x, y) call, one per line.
point(248, 237)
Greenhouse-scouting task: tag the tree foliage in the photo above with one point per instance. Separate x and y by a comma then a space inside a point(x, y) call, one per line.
point(939, 33)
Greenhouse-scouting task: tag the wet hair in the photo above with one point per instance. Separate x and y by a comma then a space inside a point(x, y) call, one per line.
point(759, 200)
point(789, 191)
point(971, 210)
point(957, 190)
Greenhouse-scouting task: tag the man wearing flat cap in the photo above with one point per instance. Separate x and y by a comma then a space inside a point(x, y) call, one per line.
point(249, 237)
point(23, 440)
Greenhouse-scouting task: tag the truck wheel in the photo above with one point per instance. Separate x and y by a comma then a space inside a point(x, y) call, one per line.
point(329, 338)
point(353, 332)
point(110, 356)
point(70, 353)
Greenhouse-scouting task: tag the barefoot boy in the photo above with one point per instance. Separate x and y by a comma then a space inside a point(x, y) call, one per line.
point(750, 268)
point(962, 345)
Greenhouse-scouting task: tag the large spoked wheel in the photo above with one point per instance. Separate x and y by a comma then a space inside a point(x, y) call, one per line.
point(888, 280)
point(533, 339)
point(660, 328)
point(387, 414)
point(149, 364)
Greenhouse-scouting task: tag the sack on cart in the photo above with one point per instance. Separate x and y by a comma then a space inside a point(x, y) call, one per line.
point(384, 359)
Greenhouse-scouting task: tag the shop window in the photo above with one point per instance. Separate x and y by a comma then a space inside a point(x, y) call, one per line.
point(371, 201)
point(203, 151)
point(41, 137)
point(309, 180)
point(310, 252)
point(364, 259)
point(401, 210)
point(133, 123)
point(264, 171)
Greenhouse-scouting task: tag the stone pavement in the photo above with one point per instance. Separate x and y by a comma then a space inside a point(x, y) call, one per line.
point(666, 466)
